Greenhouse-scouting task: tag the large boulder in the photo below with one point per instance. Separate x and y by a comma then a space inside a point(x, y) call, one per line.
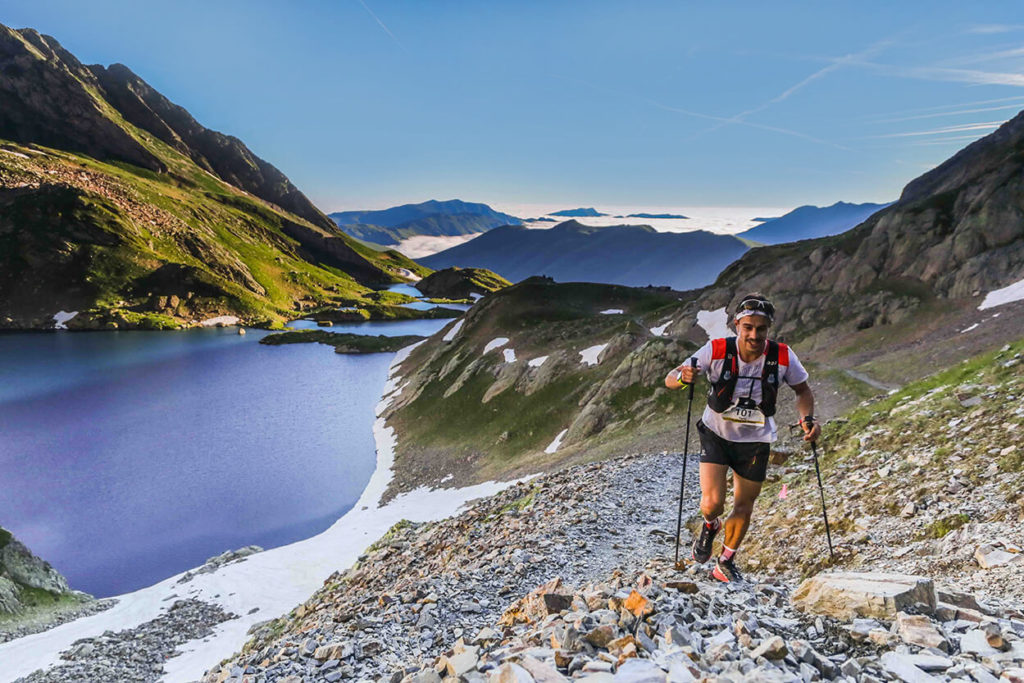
point(845, 595)
point(19, 564)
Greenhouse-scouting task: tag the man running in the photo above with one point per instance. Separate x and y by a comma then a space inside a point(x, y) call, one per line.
point(745, 373)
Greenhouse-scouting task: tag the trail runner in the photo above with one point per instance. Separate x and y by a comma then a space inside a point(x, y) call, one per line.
point(737, 427)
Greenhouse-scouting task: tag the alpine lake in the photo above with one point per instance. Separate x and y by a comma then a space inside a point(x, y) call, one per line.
point(128, 457)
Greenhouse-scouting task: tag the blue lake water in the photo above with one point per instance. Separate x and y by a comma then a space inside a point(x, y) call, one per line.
point(126, 457)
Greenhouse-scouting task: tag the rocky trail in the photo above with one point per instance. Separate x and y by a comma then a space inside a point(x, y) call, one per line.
point(590, 547)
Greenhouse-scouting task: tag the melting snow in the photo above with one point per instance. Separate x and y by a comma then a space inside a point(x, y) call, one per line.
point(589, 355)
point(612, 311)
point(715, 323)
point(450, 334)
point(61, 317)
point(510, 355)
point(660, 329)
point(968, 329)
point(537, 362)
point(495, 343)
point(225, 319)
point(273, 581)
point(553, 446)
point(997, 297)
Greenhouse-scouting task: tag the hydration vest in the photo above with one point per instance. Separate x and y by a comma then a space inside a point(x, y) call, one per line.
point(721, 391)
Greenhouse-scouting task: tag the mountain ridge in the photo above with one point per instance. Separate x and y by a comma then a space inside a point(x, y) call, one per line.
point(130, 225)
point(632, 255)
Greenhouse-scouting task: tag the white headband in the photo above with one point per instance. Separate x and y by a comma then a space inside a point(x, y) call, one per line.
point(744, 314)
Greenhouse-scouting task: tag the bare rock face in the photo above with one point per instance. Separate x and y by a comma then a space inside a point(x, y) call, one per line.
point(956, 231)
point(845, 595)
point(20, 565)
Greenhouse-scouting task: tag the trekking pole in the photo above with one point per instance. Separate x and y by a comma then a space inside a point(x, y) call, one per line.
point(821, 490)
point(686, 450)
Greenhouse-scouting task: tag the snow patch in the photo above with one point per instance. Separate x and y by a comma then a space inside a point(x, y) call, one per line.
point(660, 329)
point(273, 581)
point(450, 334)
point(495, 343)
point(715, 323)
point(61, 317)
point(510, 355)
point(537, 362)
point(219, 320)
point(998, 297)
point(612, 311)
point(406, 273)
point(475, 297)
point(554, 445)
point(589, 355)
point(968, 329)
point(15, 154)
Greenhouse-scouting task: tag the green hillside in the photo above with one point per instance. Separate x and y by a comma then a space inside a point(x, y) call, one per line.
point(116, 204)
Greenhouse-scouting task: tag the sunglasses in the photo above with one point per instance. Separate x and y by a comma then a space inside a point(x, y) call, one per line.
point(757, 305)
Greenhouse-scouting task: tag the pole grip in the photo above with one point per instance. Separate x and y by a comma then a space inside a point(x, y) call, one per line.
point(693, 364)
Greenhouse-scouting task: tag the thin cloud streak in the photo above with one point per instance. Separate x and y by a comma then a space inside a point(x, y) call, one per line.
point(381, 23)
point(988, 57)
point(986, 29)
point(935, 73)
point(960, 112)
point(942, 131)
point(785, 94)
point(723, 120)
point(948, 106)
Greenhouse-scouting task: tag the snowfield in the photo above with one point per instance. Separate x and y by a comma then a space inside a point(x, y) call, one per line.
point(450, 334)
point(997, 297)
point(495, 343)
point(660, 329)
point(61, 317)
point(589, 355)
point(272, 582)
point(715, 323)
point(554, 445)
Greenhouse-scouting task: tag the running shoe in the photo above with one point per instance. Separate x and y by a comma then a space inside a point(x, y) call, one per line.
point(702, 546)
point(726, 572)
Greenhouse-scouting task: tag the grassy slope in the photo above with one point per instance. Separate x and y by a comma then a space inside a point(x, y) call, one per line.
point(509, 431)
point(896, 449)
point(185, 217)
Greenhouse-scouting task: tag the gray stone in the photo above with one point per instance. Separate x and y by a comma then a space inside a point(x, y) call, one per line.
point(639, 671)
point(845, 595)
point(917, 629)
point(976, 642)
point(903, 668)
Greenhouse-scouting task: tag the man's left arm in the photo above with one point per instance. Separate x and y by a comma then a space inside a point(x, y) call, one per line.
point(804, 408)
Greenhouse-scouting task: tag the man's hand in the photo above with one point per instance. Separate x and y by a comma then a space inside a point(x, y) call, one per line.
point(812, 430)
point(680, 377)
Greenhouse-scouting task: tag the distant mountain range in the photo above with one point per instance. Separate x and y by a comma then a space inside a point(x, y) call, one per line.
point(433, 218)
point(656, 215)
point(635, 255)
point(807, 222)
point(578, 213)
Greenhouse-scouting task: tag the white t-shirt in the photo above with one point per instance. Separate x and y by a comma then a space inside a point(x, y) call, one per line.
point(747, 386)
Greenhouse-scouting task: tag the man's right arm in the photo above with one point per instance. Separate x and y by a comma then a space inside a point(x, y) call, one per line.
point(684, 374)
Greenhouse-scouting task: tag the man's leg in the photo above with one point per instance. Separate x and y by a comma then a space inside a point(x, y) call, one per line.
point(712, 490)
point(712, 502)
point(746, 492)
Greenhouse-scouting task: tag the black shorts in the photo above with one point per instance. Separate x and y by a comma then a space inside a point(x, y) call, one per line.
point(749, 460)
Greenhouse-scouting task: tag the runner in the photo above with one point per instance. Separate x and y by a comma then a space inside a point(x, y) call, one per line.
point(745, 373)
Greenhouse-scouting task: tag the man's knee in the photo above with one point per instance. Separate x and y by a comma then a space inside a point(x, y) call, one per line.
point(712, 505)
point(743, 508)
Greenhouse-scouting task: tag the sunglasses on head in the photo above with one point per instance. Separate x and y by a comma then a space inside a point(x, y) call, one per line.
point(757, 305)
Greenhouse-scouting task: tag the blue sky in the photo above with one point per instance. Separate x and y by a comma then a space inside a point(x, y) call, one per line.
point(368, 103)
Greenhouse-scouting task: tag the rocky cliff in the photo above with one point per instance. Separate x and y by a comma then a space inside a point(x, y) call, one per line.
point(955, 232)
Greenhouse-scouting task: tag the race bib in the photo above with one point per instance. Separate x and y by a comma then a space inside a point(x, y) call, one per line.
point(745, 412)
